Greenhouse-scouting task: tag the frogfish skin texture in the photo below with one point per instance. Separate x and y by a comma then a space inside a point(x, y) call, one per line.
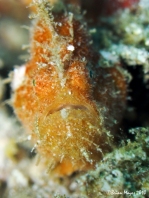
point(67, 101)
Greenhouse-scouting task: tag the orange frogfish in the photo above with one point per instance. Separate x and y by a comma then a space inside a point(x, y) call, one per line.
point(65, 99)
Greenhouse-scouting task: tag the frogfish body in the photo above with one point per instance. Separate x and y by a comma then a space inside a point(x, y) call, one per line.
point(64, 98)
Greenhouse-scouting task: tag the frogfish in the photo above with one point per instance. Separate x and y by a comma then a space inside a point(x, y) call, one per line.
point(68, 103)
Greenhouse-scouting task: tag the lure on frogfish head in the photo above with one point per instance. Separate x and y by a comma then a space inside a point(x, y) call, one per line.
point(67, 110)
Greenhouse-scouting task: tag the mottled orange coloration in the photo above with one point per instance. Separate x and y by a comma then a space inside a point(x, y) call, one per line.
point(66, 100)
point(28, 2)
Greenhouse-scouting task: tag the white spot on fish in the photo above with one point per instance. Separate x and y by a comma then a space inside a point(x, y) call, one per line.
point(70, 48)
